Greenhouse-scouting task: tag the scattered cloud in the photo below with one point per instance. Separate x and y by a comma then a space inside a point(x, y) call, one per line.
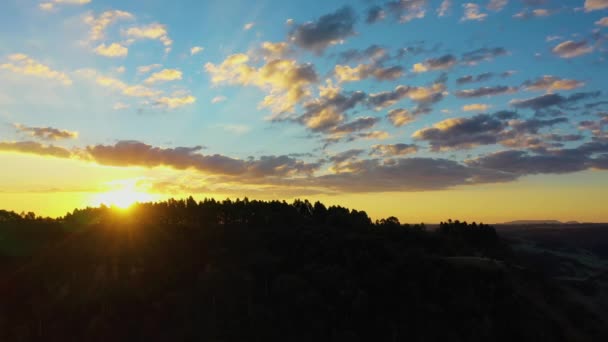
point(594, 5)
point(286, 81)
point(444, 8)
point(153, 31)
point(551, 83)
point(328, 30)
point(462, 133)
point(46, 133)
point(248, 26)
point(571, 49)
point(394, 150)
point(472, 13)
point(164, 75)
point(432, 64)
point(476, 107)
point(175, 102)
point(474, 79)
point(345, 73)
point(196, 50)
point(374, 14)
point(112, 50)
point(99, 24)
point(482, 55)
point(144, 69)
point(218, 99)
point(485, 91)
point(497, 5)
point(23, 64)
point(32, 147)
point(550, 100)
point(602, 22)
point(50, 5)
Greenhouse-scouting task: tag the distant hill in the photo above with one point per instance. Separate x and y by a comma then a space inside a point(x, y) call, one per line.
point(246, 270)
point(522, 222)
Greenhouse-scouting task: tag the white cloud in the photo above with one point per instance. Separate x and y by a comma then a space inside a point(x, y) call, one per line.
point(144, 69)
point(196, 49)
point(99, 24)
point(471, 13)
point(594, 5)
point(218, 99)
point(153, 31)
point(248, 26)
point(164, 75)
point(112, 50)
point(23, 64)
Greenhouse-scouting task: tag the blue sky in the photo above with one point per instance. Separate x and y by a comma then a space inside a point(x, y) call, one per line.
point(293, 96)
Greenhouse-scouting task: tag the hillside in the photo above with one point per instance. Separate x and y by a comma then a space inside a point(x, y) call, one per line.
point(273, 271)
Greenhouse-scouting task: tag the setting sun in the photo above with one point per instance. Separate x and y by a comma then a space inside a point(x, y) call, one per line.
point(124, 196)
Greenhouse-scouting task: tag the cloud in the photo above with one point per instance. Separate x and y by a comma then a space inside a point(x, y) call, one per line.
point(400, 117)
point(23, 64)
point(153, 31)
point(125, 89)
point(218, 99)
point(112, 50)
point(286, 82)
point(341, 157)
point(461, 133)
point(485, 91)
point(134, 153)
point(443, 9)
point(120, 106)
point(99, 24)
point(602, 22)
point(423, 96)
point(406, 174)
point(31, 147)
point(497, 5)
point(373, 53)
point(550, 100)
point(375, 14)
point(196, 50)
point(50, 5)
point(175, 102)
point(328, 30)
point(358, 124)
point(571, 49)
point(46, 133)
point(248, 26)
point(482, 55)
point(472, 13)
point(551, 83)
point(394, 150)
point(524, 163)
point(432, 64)
point(472, 79)
point(407, 10)
point(144, 69)
point(594, 5)
point(345, 73)
point(328, 111)
point(475, 107)
point(164, 75)
point(535, 13)
point(277, 50)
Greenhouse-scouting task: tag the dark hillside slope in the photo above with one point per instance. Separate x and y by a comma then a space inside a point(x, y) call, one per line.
point(258, 271)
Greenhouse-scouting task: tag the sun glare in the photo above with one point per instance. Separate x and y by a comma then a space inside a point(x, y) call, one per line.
point(123, 197)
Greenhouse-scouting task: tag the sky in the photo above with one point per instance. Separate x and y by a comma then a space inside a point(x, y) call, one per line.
point(492, 110)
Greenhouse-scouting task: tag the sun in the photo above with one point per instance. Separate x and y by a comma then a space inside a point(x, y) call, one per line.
point(123, 196)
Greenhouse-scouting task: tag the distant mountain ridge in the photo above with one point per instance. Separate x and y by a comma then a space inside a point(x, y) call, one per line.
point(540, 222)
